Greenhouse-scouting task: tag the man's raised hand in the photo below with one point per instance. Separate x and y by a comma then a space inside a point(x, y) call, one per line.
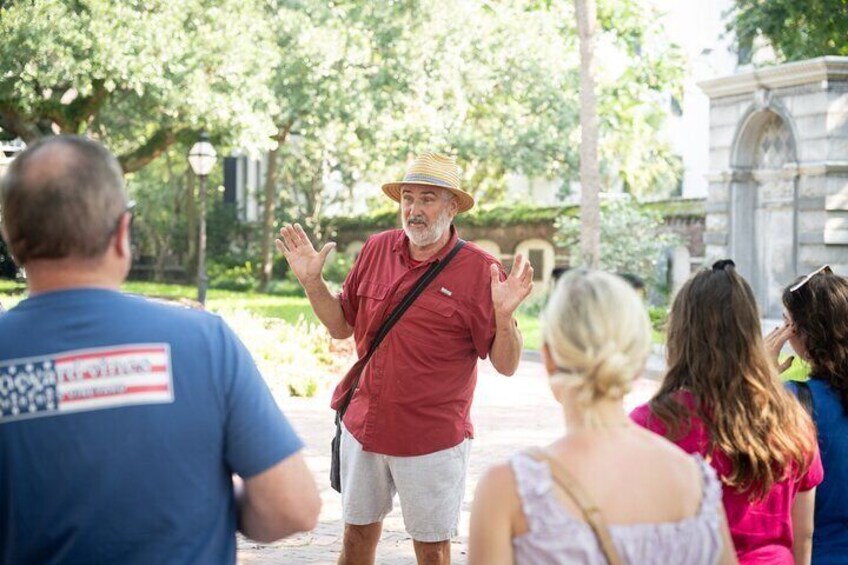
point(305, 262)
point(507, 295)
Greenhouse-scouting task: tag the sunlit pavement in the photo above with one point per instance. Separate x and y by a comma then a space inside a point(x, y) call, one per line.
point(509, 414)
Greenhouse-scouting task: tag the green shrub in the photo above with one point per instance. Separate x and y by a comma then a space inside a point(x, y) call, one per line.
point(295, 359)
point(336, 270)
point(279, 267)
point(287, 286)
point(302, 386)
point(8, 269)
point(239, 277)
point(659, 317)
point(633, 238)
point(534, 304)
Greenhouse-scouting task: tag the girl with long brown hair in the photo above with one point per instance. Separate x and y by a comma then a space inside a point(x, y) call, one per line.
point(816, 326)
point(721, 397)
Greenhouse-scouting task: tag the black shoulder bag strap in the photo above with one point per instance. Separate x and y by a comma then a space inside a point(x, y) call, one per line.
point(805, 396)
point(431, 273)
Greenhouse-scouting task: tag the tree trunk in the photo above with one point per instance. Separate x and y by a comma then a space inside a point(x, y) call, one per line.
point(155, 145)
point(268, 231)
point(590, 177)
point(161, 250)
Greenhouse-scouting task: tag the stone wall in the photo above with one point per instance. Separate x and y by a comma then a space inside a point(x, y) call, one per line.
point(502, 241)
point(535, 239)
point(778, 187)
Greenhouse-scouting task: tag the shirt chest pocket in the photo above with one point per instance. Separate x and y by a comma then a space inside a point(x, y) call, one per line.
point(371, 295)
point(437, 320)
point(441, 307)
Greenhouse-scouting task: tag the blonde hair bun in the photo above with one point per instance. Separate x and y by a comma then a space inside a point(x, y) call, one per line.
point(598, 333)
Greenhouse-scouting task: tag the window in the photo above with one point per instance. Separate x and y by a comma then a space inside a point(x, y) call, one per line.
point(537, 261)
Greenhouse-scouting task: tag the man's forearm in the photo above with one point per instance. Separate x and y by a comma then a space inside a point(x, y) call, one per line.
point(277, 502)
point(506, 349)
point(328, 308)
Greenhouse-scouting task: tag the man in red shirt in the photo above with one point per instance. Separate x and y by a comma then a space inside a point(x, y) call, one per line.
point(407, 428)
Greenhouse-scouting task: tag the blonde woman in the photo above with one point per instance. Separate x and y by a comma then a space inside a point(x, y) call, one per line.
point(659, 504)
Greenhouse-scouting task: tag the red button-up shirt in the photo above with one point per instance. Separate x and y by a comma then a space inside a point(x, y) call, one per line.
point(414, 395)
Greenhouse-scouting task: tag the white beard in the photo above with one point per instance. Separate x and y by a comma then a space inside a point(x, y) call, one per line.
point(431, 233)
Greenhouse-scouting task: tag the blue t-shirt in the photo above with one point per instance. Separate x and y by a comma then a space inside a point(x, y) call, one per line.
point(121, 423)
point(830, 537)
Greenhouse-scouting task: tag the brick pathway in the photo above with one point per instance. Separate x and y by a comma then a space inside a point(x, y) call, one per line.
point(509, 414)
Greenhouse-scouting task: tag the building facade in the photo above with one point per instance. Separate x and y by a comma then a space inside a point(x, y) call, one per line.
point(778, 186)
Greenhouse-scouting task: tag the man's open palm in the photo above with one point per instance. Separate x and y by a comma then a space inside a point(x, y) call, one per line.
point(508, 294)
point(305, 262)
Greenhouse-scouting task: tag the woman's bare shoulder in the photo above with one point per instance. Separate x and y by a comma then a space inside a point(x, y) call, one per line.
point(497, 480)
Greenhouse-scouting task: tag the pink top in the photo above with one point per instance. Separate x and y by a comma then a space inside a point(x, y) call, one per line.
point(761, 531)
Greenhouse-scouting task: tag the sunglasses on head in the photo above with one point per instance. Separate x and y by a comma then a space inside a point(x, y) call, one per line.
point(823, 269)
point(130, 207)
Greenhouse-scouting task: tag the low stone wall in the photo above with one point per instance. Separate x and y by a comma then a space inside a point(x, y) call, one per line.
point(535, 237)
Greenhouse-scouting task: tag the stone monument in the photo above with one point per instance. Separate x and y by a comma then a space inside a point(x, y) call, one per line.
point(778, 187)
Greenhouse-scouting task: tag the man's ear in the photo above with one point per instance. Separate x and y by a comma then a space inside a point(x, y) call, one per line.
point(122, 237)
point(453, 207)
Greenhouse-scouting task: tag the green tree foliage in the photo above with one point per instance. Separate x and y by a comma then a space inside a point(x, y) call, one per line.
point(338, 67)
point(633, 238)
point(138, 75)
point(796, 29)
point(363, 84)
point(160, 221)
point(369, 82)
point(634, 102)
point(367, 85)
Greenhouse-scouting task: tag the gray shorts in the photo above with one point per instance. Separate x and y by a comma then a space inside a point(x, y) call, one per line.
point(430, 488)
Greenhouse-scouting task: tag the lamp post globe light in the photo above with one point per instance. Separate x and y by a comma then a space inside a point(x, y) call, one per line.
point(202, 157)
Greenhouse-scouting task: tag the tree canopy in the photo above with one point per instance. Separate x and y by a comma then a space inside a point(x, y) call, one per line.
point(796, 29)
point(366, 82)
point(138, 75)
point(362, 84)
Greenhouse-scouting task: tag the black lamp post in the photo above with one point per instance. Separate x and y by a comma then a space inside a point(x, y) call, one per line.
point(202, 158)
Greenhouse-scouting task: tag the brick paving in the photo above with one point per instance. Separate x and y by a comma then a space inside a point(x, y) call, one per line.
point(509, 414)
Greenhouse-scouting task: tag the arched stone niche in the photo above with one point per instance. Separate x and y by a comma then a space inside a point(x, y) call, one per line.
point(763, 194)
point(541, 255)
point(778, 186)
point(490, 246)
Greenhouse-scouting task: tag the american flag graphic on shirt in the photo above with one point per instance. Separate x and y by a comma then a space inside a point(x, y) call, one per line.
point(84, 380)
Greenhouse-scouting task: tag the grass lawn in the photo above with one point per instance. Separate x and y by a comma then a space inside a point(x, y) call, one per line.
point(531, 330)
point(288, 308)
point(292, 308)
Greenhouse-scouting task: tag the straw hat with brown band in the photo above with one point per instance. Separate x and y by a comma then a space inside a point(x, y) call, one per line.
point(432, 169)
